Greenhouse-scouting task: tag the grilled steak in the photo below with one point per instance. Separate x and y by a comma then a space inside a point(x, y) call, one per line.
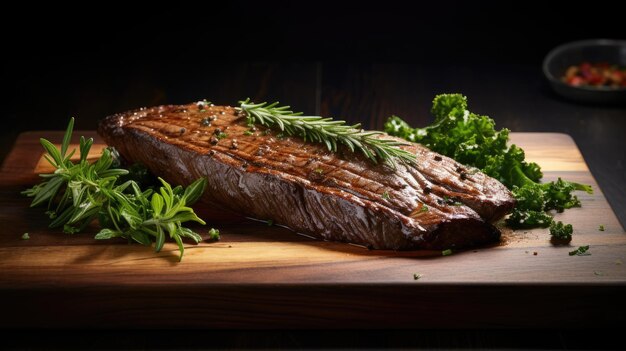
point(436, 204)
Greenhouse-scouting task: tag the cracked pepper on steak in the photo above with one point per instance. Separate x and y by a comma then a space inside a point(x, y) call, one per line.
point(435, 204)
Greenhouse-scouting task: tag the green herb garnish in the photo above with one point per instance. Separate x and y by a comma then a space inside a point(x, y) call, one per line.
point(248, 133)
point(580, 251)
point(214, 234)
point(447, 252)
point(328, 131)
point(561, 232)
point(424, 208)
point(25, 236)
point(450, 201)
point(385, 195)
point(416, 276)
point(601, 227)
point(472, 139)
point(77, 194)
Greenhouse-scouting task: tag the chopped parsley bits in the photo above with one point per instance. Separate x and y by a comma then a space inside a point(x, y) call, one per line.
point(214, 234)
point(580, 251)
point(561, 232)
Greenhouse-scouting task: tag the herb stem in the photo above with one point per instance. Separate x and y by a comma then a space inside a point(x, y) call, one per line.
point(328, 131)
point(91, 191)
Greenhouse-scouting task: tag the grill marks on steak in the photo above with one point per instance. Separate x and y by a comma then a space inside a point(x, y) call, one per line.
point(335, 196)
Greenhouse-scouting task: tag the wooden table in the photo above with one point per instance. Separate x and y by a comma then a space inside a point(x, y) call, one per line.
point(268, 277)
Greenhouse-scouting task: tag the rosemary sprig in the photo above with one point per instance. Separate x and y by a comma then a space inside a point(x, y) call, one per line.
point(328, 131)
point(77, 194)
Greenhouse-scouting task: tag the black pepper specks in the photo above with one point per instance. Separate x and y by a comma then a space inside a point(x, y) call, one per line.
point(182, 131)
point(317, 175)
point(211, 152)
point(206, 122)
point(262, 150)
point(438, 158)
point(217, 131)
point(214, 140)
point(427, 189)
point(463, 175)
point(234, 145)
point(451, 201)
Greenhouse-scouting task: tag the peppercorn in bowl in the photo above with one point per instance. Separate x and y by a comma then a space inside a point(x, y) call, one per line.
point(591, 71)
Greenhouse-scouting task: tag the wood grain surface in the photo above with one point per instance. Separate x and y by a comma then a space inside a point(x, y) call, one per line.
point(259, 276)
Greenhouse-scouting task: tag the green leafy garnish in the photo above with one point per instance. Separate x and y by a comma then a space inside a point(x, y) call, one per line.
point(214, 234)
point(416, 276)
point(561, 232)
point(77, 194)
point(473, 140)
point(25, 236)
point(447, 252)
point(326, 130)
point(601, 227)
point(580, 251)
point(385, 195)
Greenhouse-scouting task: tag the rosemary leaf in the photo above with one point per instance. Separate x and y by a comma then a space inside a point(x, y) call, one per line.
point(328, 131)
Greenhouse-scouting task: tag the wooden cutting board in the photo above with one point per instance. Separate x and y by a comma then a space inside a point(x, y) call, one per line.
point(261, 276)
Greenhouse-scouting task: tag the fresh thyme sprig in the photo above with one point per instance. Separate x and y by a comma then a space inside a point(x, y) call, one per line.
point(79, 193)
point(328, 131)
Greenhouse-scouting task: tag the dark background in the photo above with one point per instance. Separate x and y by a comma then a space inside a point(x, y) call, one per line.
point(350, 60)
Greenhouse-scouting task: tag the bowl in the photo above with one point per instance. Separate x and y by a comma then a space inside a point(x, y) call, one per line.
point(575, 53)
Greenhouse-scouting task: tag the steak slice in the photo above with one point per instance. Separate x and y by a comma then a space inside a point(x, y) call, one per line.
point(342, 196)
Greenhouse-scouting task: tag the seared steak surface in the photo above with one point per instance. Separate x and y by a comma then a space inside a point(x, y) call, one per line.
point(435, 204)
